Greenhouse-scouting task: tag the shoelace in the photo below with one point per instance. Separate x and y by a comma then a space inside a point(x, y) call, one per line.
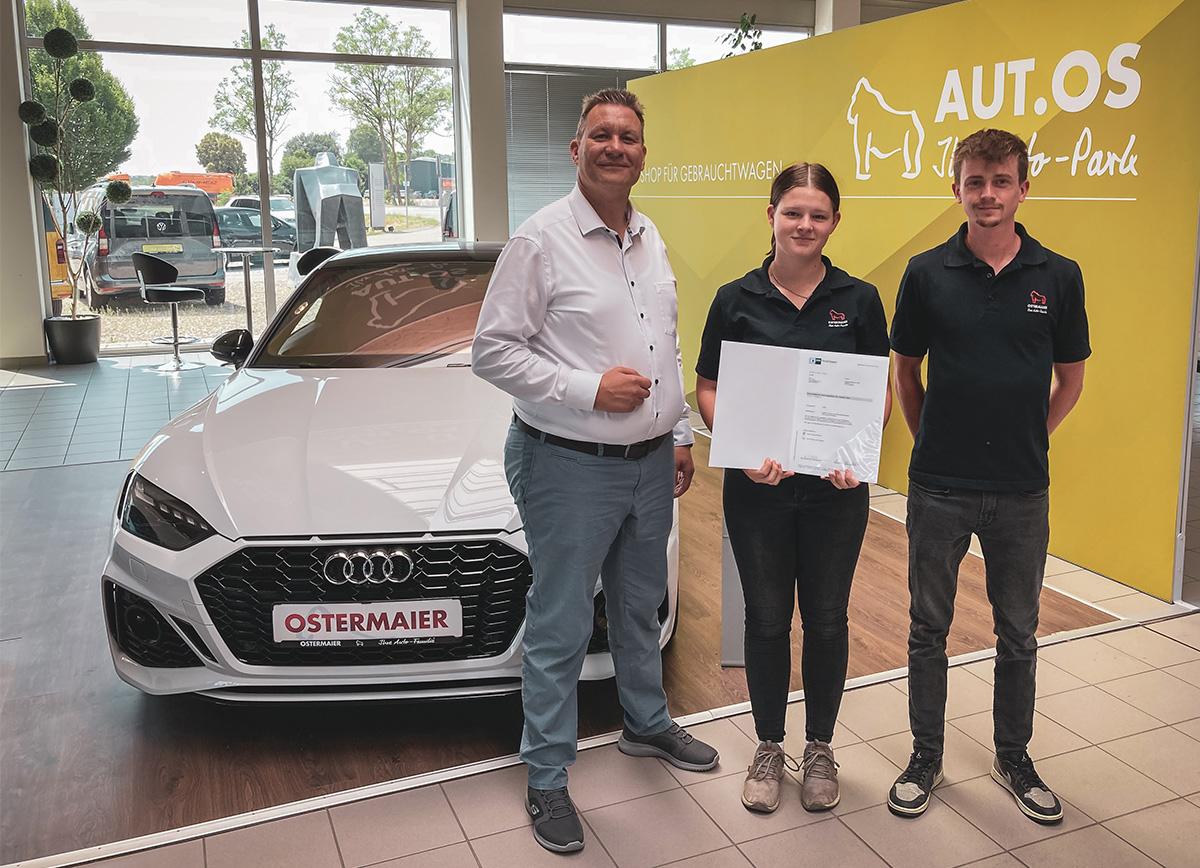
point(678, 732)
point(918, 766)
point(559, 804)
point(770, 763)
point(1027, 777)
point(819, 764)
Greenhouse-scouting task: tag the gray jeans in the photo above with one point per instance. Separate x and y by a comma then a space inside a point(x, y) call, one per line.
point(1013, 529)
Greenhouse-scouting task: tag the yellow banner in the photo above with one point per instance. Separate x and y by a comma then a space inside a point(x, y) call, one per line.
point(1106, 94)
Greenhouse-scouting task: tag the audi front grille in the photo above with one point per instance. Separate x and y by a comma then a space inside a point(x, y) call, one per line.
point(489, 578)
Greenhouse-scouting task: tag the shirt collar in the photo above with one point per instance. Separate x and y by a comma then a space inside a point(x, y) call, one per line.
point(758, 281)
point(589, 221)
point(958, 254)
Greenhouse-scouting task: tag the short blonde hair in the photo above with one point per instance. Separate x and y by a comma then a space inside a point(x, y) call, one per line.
point(610, 96)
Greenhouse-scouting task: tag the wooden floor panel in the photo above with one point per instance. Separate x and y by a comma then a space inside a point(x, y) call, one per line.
point(86, 759)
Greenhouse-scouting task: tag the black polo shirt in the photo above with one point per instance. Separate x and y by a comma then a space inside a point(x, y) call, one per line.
point(992, 342)
point(843, 315)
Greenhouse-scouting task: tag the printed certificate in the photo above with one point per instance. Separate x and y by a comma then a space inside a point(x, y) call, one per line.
point(810, 410)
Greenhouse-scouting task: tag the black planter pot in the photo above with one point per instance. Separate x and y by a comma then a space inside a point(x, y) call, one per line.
point(73, 341)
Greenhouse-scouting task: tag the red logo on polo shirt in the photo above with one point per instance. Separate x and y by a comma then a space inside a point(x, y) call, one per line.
point(837, 320)
point(1037, 303)
point(1037, 298)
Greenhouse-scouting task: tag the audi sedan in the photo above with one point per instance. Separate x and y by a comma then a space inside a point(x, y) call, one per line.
point(333, 522)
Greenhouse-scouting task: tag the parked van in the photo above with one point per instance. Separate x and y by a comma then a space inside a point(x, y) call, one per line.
point(175, 223)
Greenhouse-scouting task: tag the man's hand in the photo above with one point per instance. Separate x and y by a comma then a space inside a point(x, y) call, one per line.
point(684, 469)
point(622, 390)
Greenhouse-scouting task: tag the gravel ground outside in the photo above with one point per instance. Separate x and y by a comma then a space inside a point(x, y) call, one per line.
point(128, 323)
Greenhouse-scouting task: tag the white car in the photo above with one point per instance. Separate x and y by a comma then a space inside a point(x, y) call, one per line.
point(282, 207)
point(334, 521)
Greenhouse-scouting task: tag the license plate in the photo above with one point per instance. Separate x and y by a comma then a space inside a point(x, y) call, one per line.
point(408, 622)
point(162, 248)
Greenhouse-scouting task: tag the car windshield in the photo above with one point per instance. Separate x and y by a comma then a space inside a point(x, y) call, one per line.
point(278, 203)
point(376, 316)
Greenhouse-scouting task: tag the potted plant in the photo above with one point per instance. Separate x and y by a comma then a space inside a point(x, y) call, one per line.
point(73, 339)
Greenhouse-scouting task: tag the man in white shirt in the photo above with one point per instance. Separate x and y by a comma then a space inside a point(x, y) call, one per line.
point(579, 327)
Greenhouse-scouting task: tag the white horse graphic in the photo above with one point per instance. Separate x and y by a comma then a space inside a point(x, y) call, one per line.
point(881, 131)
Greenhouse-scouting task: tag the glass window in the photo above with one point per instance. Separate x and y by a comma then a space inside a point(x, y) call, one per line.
point(166, 22)
point(593, 42)
point(688, 44)
point(358, 29)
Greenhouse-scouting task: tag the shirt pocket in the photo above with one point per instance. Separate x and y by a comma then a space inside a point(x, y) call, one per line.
point(668, 306)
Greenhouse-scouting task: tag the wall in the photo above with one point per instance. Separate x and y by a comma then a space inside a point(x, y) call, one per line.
point(1117, 187)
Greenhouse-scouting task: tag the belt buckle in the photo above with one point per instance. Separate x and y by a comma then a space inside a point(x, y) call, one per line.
point(627, 456)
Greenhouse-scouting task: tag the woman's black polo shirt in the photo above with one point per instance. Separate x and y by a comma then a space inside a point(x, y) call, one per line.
point(992, 342)
point(843, 315)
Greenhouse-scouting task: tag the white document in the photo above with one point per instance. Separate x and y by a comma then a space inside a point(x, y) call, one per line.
point(810, 410)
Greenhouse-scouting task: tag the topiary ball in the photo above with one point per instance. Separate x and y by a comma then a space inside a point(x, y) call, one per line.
point(82, 90)
point(31, 112)
point(118, 192)
point(60, 43)
point(45, 133)
point(88, 222)
point(44, 168)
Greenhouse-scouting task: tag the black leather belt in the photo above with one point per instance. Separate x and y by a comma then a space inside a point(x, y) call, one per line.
point(604, 450)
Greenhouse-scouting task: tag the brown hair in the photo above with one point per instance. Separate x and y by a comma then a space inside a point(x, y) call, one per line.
point(804, 175)
point(991, 146)
point(611, 96)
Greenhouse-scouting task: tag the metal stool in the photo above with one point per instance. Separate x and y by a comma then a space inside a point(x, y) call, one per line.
point(155, 275)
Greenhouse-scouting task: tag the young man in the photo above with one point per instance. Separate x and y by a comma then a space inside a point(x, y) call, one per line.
point(579, 327)
point(1002, 321)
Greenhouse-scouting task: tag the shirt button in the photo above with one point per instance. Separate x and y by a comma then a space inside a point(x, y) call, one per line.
point(656, 382)
point(642, 315)
point(989, 274)
point(631, 283)
point(652, 346)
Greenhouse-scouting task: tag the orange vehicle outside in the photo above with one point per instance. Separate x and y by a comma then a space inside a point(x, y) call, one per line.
point(211, 183)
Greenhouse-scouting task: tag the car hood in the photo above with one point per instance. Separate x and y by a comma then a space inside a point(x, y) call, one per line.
point(376, 451)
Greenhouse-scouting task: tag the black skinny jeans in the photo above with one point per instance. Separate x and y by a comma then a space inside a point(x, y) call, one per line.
point(795, 542)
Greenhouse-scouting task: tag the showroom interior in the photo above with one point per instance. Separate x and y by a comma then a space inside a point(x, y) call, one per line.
point(94, 771)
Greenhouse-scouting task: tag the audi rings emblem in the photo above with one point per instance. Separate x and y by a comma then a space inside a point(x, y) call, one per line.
point(361, 566)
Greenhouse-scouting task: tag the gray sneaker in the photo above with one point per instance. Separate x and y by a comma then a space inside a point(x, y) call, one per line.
point(556, 824)
point(675, 745)
point(760, 792)
point(819, 791)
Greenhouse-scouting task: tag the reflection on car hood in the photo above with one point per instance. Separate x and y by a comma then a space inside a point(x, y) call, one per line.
point(365, 451)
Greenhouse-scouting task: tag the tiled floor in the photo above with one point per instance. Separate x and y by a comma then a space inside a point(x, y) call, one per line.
point(1117, 735)
point(1117, 732)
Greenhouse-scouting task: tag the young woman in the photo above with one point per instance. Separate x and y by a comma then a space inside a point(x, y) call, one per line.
point(794, 537)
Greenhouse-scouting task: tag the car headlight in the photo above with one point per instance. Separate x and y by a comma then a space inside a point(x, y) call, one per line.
point(150, 513)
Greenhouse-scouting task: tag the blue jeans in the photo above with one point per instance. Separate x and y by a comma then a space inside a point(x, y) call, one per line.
point(795, 543)
point(584, 517)
point(1013, 529)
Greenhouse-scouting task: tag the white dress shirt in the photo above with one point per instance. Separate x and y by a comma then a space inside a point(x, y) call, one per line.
point(567, 303)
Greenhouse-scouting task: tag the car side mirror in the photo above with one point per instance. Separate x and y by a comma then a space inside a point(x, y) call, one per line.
point(233, 347)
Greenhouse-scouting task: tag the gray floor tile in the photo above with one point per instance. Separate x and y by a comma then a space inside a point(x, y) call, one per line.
point(1092, 660)
point(1185, 629)
point(28, 463)
point(1189, 672)
point(454, 856)
point(655, 830)
point(864, 777)
point(1168, 698)
point(875, 711)
point(730, 857)
point(603, 776)
point(828, 843)
point(1086, 848)
point(942, 838)
point(1095, 715)
point(1099, 784)
point(1168, 756)
point(189, 854)
point(400, 824)
point(1168, 833)
point(518, 849)
point(304, 841)
point(491, 802)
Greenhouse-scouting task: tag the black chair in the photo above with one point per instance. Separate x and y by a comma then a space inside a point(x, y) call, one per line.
point(156, 276)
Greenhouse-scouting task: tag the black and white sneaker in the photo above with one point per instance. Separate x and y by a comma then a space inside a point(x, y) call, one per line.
point(1016, 774)
point(909, 796)
point(556, 824)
